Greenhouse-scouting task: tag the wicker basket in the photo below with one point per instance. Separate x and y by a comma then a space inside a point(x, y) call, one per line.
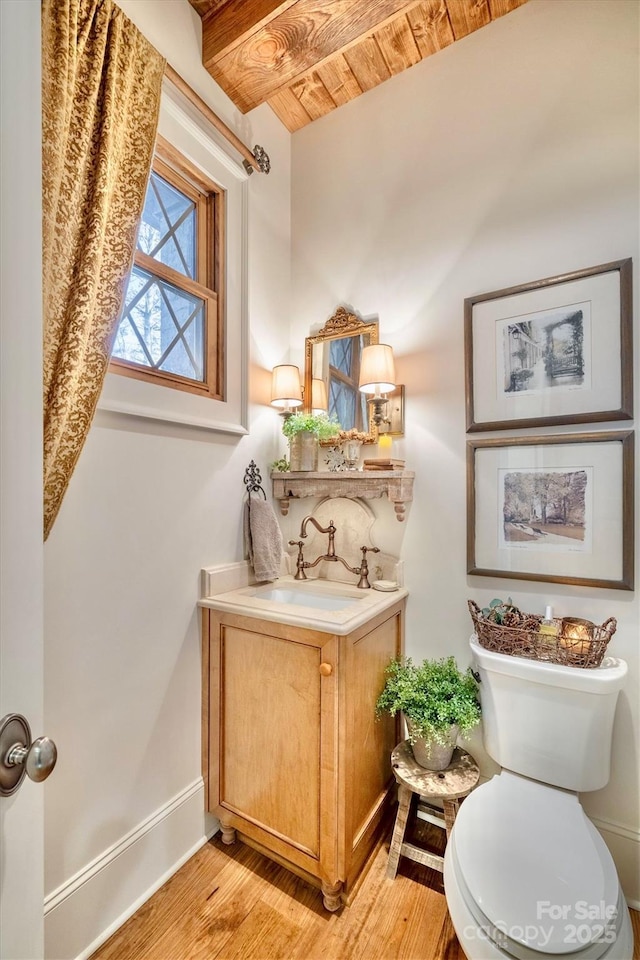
point(529, 643)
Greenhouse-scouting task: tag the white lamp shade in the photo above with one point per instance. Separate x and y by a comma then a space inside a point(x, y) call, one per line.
point(377, 369)
point(285, 386)
point(319, 395)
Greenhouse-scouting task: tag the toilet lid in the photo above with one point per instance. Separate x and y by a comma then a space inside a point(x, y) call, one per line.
point(535, 866)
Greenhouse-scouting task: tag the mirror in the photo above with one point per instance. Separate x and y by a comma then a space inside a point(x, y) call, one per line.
point(333, 356)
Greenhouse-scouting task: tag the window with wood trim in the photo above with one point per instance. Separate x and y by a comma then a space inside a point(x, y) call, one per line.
point(171, 329)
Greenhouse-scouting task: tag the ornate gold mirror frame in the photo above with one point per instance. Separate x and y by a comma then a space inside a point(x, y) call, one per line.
point(318, 366)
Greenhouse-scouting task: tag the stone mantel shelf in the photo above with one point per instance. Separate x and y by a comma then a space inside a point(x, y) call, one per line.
point(366, 484)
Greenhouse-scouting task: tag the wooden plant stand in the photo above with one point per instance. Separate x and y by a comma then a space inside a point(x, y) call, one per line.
point(447, 786)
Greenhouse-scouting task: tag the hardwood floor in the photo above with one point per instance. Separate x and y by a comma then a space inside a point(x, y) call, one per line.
point(232, 903)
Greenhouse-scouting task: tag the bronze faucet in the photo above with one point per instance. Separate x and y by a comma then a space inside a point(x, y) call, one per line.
point(330, 555)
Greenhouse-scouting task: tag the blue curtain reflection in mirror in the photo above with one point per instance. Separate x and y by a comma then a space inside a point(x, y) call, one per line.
point(346, 402)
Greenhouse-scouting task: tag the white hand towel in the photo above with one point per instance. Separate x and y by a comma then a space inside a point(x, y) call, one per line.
point(263, 539)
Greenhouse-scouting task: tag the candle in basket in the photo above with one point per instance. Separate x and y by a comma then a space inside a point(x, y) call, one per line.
point(576, 635)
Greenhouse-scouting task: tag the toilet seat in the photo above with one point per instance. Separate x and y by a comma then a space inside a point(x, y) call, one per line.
point(498, 945)
point(534, 872)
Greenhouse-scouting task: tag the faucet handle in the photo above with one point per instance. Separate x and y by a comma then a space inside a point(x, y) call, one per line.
point(366, 550)
point(363, 583)
point(300, 561)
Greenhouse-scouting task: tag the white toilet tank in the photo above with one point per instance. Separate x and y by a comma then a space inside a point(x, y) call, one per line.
point(546, 721)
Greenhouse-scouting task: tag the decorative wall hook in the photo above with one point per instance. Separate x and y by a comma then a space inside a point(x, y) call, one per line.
point(253, 480)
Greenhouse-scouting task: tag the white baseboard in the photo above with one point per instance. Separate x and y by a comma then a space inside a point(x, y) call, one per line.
point(85, 910)
point(624, 844)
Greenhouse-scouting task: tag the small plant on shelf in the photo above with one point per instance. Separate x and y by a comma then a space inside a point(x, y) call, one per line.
point(319, 424)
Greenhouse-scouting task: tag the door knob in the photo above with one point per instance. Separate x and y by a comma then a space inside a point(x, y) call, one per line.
point(19, 757)
point(326, 669)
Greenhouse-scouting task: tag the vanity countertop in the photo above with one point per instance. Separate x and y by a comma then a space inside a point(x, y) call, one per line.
point(277, 601)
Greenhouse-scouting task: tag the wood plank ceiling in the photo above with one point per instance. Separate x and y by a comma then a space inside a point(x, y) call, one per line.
point(307, 57)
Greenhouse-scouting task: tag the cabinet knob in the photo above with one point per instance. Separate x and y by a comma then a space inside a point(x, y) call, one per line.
point(326, 669)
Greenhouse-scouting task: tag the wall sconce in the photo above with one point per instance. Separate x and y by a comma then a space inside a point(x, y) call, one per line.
point(377, 376)
point(285, 388)
point(319, 401)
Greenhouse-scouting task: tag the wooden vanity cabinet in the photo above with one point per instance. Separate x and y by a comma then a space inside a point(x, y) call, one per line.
point(293, 756)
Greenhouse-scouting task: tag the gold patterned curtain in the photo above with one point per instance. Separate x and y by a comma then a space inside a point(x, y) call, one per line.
point(101, 83)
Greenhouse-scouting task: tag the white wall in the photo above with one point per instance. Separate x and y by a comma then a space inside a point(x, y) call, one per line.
point(508, 157)
point(147, 507)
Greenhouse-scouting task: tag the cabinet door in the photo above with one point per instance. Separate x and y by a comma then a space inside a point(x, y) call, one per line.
point(277, 731)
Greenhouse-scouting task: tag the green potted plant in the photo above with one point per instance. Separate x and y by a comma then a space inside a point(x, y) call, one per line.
point(438, 701)
point(304, 431)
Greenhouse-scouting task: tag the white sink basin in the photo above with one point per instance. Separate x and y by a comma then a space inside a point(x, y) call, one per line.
point(305, 598)
point(332, 606)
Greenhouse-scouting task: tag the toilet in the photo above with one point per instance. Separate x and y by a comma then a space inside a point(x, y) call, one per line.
point(526, 873)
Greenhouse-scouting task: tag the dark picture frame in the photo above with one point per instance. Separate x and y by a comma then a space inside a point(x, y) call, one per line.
point(555, 351)
point(556, 509)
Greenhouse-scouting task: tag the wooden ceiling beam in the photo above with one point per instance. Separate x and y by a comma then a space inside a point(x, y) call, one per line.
point(367, 64)
point(289, 110)
point(468, 16)
point(313, 95)
point(307, 57)
point(338, 78)
point(402, 42)
point(203, 7)
point(291, 44)
point(226, 27)
point(499, 8)
point(398, 45)
point(431, 27)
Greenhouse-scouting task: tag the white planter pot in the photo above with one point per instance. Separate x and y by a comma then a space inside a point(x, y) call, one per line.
point(429, 753)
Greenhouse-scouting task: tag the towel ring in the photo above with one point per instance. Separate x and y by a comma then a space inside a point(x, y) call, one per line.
point(253, 480)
